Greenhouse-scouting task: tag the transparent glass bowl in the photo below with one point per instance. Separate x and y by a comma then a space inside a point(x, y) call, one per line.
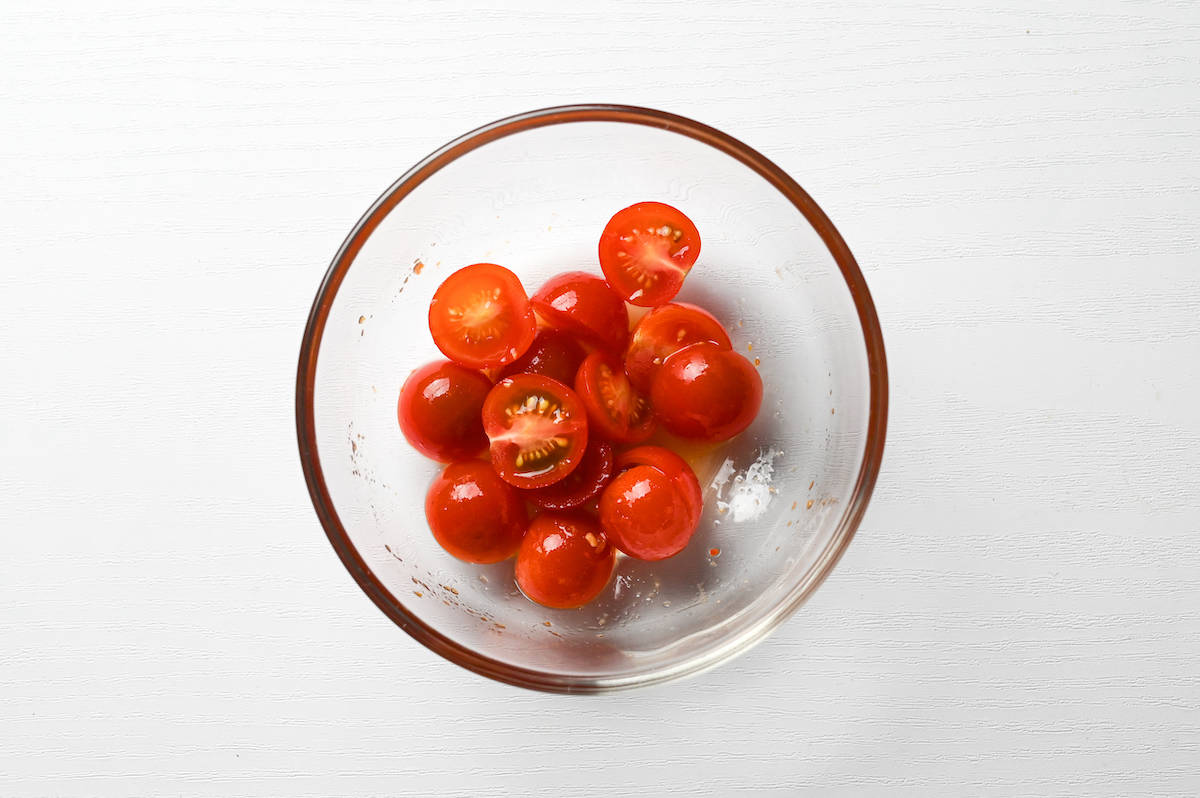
point(533, 192)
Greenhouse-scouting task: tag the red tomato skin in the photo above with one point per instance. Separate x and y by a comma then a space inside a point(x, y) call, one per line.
point(518, 323)
point(564, 561)
point(674, 467)
point(664, 331)
point(439, 408)
point(707, 393)
point(646, 515)
point(600, 368)
point(648, 270)
point(473, 514)
point(569, 424)
point(583, 484)
point(553, 353)
point(585, 305)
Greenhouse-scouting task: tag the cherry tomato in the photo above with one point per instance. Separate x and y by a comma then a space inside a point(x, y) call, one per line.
point(537, 428)
point(583, 304)
point(553, 353)
point(646, 514)
point(646, 250)
point(481, 317)
point(581, 485)
point(614, 407)
point(674, 467)
point(564, 560)
point(706, 392)
point(475, 515)
point(439, 411)
point(664, 331)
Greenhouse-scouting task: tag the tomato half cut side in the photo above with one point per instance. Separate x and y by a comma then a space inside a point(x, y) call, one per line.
point(614, 407)
point(583, 484)
point(564, 561)
point(673, 466)
point(646, 251)
point(553, 353)
point(707, 393)
point(585, 305)
point(475, 515)
point(537, 430)
point(646, 515)
point(664, 331)
point(481, 317)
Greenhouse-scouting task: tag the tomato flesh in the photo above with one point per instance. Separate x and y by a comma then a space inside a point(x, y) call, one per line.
point(564, 561)
point(553, 353)
point(646, 251)
point(585, 305)
point(664, 331)
point(475, 515)
point(614, 407)
point(480, 316)
point(646, 515)
point(583, 484)
point(439, 410)
point(707, 393)
point(536, 428)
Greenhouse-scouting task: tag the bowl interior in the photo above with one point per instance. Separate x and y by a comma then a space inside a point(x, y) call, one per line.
point(780, 500)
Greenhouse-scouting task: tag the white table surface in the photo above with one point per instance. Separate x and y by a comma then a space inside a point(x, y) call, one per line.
point(1020, 612)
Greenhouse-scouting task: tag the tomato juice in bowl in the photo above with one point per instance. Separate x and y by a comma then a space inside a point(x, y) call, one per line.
point(781, 500)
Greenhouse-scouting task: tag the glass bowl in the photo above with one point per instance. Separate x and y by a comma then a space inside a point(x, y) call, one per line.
point(532, 192)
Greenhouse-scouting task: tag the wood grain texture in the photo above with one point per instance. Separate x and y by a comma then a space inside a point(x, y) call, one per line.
point(1019, 614)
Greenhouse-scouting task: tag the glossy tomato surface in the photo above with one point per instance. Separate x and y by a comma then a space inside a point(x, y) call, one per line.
point(585, 305)
point(553, 353)
point(615, 409)
point(583, 484)
point(707, 393)
point(564, 561)
point(646, 514)
point(475, 515)
point(664, 331)
point(673, 466)
point(439, 411)
point(646, 251)
point(537, 430)
point(480, 316)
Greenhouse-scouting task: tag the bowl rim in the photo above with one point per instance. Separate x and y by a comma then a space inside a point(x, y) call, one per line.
point(549, 681)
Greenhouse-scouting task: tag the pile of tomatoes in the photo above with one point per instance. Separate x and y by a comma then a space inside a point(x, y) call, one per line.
point(564, 406)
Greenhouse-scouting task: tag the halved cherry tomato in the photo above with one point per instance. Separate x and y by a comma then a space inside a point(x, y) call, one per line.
point(481, 317)
point(564, 560)
point(475, 515)
point(537, 428)
point(584, 304)
point(664, 331)
point(646, 250)
point(439, 411)
point(646, 514)
point(581, 485)
point(553, 353)
point(706, 392)
point(614, 407)
point(674, 467)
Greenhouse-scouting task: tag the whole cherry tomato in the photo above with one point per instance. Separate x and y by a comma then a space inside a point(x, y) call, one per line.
point(475, 515)
point(439, 409)
point(706, 392)
point(564, 561)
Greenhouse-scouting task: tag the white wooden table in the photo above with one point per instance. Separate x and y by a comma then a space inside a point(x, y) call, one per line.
point(1020, 612)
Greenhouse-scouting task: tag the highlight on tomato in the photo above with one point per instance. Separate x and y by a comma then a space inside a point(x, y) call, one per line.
point(475, 515)
point(439, 409)
point(585, 305)
point(706, 393)
point(564, 561)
